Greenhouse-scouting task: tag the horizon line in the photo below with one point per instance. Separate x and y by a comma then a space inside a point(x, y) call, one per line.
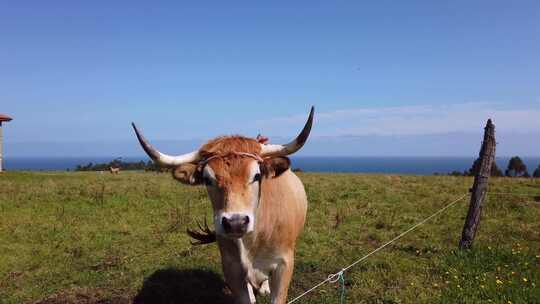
point(304, 156)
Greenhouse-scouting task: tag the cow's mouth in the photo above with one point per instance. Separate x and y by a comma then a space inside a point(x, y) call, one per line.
point(232, 235)
point(236, 233)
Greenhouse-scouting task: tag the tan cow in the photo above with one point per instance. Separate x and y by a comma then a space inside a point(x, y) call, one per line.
point(114, 170)
point(259, 207)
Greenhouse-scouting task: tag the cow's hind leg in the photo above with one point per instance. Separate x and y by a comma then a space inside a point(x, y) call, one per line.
point(280, 280)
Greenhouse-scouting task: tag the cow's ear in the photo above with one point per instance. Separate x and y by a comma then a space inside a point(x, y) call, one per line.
point(275, 166)
point(188, 174)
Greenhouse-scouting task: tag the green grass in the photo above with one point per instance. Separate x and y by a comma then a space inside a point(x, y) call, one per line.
point(97, 238)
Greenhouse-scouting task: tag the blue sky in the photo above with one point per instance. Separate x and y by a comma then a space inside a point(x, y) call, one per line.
point(424, 74)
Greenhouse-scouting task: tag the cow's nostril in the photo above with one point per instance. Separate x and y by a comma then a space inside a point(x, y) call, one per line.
point(226, 224)
point(246, 220)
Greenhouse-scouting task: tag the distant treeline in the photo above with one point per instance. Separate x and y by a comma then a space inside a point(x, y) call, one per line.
point(119, 163)
point(126, 166)
point(515, 168)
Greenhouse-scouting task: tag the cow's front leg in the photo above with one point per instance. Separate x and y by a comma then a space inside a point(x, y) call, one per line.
point(241, 290)
point(281, 278)
point(235, 272)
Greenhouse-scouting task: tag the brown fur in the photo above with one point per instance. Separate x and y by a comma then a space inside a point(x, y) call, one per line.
point(280, 220)
point(229, 144)
point(275, 166)
point(279, 217)
point(223, 146)
point(187, 174)
point(274, 215)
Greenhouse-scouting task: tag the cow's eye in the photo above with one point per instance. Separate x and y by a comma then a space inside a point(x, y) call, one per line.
point(257, 177)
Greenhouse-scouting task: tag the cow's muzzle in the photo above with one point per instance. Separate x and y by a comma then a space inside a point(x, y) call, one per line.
point(235, 225)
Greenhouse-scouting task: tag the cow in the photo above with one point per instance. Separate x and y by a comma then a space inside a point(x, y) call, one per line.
point(259, 207)
point(114, 170)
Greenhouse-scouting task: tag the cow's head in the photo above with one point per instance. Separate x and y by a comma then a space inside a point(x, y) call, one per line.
point(233, 169)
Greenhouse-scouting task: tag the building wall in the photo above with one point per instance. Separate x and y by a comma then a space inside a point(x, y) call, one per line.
point(1, 155)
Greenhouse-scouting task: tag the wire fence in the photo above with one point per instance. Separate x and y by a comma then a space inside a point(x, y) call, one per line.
point(339, 275)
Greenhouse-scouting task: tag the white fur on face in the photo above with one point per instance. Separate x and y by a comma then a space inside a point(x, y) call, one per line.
point(253, 188)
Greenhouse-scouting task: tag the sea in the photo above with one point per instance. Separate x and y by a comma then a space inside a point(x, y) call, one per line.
point(390, 165)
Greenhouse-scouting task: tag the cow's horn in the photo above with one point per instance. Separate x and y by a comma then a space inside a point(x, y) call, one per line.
point(293, 146)
point(164, 159)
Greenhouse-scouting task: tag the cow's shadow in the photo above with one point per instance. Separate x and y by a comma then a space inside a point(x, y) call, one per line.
point(172, 285)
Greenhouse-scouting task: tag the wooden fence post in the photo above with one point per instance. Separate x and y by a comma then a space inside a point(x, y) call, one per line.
point(479, 188)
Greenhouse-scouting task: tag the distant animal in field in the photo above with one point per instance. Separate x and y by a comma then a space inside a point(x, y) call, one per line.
point(259, 207)
point(114, 170)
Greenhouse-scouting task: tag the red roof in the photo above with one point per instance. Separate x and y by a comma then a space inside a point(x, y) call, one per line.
point(5, 118)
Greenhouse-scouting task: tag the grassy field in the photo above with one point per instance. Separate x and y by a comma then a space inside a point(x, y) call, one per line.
point(97, 238)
